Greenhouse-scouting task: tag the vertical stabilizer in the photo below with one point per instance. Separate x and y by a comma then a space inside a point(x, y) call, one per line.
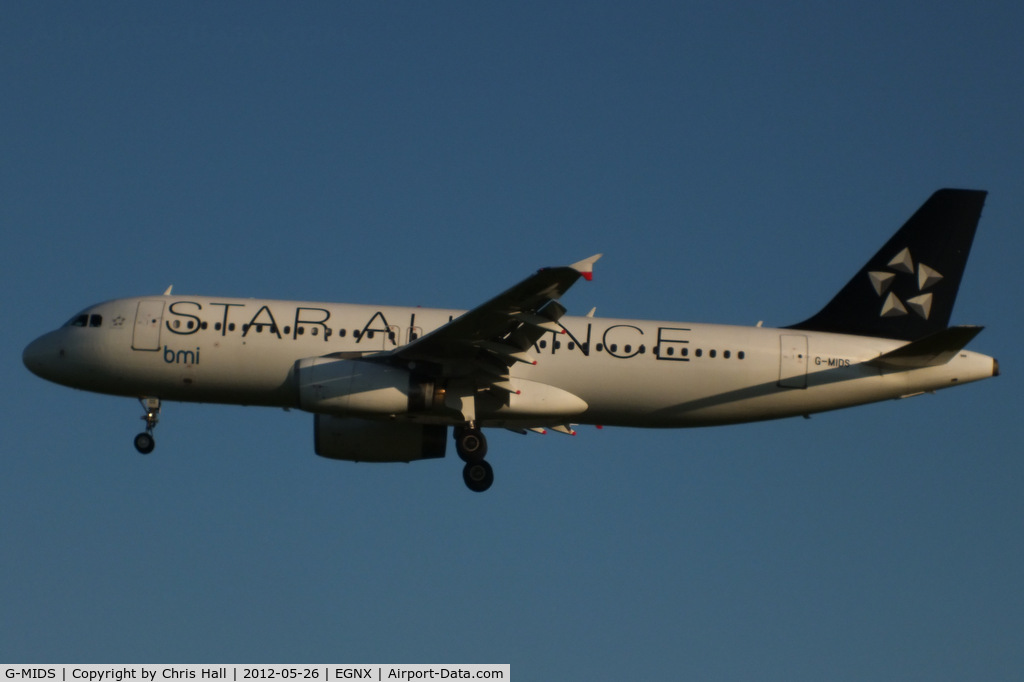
point(907, 290)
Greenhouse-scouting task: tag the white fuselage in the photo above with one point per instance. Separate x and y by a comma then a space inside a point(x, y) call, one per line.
point(627, 372)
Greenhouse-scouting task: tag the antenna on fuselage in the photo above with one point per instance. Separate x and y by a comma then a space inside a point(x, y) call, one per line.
point(168, 292)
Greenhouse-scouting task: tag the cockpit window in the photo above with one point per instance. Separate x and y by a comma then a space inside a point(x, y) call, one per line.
point(85, 320)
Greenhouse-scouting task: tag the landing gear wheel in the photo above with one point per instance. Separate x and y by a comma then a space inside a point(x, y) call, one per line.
point(144, 443)
point(478, 476)
point(470, 444)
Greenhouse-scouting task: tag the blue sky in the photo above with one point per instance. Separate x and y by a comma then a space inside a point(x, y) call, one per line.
point(735, 163)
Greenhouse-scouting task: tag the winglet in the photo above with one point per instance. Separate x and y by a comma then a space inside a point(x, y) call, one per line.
point(586, 266)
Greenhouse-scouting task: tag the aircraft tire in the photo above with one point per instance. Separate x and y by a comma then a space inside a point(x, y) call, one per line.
point(144, 443)
point(470, 444)
point(478, 475)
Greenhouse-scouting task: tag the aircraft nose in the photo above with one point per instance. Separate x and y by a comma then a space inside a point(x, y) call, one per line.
point(41, 355)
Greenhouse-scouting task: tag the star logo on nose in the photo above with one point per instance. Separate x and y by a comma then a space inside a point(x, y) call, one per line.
point(117, 321)
point(900, 266)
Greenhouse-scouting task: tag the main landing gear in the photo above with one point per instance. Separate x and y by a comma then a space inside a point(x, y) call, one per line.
point(144, 442)
point(471, 446)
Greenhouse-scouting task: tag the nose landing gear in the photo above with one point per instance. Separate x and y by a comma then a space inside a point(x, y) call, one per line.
point(471, 446)
point(144, 442)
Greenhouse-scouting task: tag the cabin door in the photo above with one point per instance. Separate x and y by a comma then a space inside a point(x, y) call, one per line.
point(147, 325)
point(793, 361)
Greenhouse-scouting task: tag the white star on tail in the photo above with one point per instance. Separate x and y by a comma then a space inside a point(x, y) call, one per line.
point(882, 281)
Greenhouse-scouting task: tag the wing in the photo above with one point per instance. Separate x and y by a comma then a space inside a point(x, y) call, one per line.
point(499, 333)
point(474, 352)
point(470, 356)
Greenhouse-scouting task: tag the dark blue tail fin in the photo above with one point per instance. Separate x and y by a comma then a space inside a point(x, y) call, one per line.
point(907, 290)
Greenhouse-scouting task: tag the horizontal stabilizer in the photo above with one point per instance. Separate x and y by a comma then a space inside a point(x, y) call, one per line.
point(933, 350)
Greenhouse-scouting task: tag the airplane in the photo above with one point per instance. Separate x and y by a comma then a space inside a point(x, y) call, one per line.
point(385, 383)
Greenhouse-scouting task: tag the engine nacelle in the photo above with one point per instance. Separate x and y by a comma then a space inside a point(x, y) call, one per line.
point(361, 440)
point(335, 386)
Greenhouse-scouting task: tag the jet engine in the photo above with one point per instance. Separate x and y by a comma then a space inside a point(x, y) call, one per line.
point(358, 387)
point(362, 440)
